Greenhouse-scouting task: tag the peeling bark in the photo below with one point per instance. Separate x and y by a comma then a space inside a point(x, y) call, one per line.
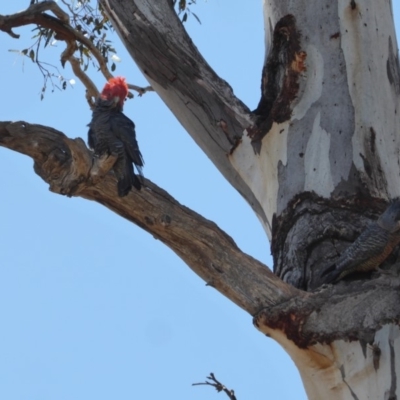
point(393, 69)
point(280, 75)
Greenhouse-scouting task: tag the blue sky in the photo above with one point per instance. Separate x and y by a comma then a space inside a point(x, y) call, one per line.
point(91, 306)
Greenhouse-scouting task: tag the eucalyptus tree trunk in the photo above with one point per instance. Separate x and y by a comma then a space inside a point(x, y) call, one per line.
point(317, 161)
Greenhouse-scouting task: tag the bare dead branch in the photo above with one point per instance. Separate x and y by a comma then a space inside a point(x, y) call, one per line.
point(67, 165)
point(219, 387)
point(140, 90)
point(35, 14)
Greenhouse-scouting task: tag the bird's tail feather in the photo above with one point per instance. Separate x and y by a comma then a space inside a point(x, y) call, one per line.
point(136, 181)
point(126, 178)
point(124, 185)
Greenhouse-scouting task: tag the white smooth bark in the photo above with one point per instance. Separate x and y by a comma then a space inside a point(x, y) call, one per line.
point(345, 77)
point(369, 40)
point(367, 148)
point(347, 370)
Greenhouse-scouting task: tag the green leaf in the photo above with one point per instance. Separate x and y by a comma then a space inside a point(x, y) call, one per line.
point(64, 85)
point(198, 19)
point(182, 5)
point(184, 17)
point(49, 36)
point(113, 66)
point(32, 55)
point(24, 52)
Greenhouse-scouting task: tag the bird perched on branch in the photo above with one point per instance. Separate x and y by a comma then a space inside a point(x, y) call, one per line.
point(371, 248)
point(113, 133)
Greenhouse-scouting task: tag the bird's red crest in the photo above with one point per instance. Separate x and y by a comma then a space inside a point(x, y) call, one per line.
point(115, 87)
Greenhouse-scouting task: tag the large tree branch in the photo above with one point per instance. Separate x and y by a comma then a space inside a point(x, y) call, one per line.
point(66, 164)
point(304, 318)
point(203, 102)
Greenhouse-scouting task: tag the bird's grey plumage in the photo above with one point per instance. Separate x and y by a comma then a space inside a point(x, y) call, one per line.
point(112, 132)
point(371, 248)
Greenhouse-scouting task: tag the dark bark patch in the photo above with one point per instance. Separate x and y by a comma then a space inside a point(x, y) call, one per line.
point(367, 166)
point(392, 68)
point(363, 345)
point(353, 395)
point(335, 35)
point(376, 356)
point(235, 145)
point(393, 377)
point(372, 163)
point(353, 5)
point(166, 220)
point(279, 81)
point(373, 139)
point(362, 308)
point(288, 320)
point(312, 232)
point(148, 220)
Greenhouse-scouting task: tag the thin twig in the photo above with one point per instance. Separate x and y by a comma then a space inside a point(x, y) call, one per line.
point(140, 90)
point(60, 24)
point(219, 387)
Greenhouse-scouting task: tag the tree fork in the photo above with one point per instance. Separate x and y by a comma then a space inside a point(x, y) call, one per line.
point(66, 164)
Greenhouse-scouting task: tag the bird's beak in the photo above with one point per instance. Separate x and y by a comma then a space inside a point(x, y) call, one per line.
point(115, 100)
